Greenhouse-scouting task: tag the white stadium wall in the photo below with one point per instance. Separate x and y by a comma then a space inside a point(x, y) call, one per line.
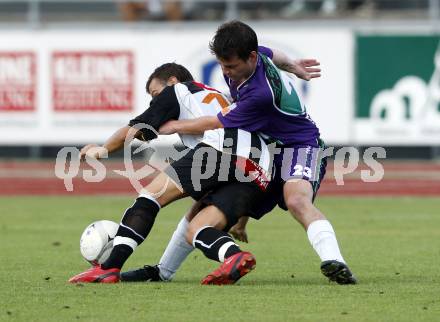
point(85, 85)
point(75, 87)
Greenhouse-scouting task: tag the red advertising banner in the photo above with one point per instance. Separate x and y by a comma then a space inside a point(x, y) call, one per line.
point(92, 81)
point(17, 81)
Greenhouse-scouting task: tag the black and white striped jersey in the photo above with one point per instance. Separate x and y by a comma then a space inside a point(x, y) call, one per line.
point(191, 100)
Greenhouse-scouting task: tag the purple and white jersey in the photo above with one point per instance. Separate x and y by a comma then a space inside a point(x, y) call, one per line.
point(268, 103)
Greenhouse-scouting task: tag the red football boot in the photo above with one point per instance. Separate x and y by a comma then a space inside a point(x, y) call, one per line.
point(96, 274)
point(233, 268)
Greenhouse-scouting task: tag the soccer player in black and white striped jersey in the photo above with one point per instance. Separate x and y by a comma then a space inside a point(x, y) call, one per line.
point(222, 191)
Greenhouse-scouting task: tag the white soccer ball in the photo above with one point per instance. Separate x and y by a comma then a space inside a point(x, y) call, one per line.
point(96, 241)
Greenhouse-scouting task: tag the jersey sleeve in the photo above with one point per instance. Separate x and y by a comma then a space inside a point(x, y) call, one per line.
point(265, 51)
point(246, 114)
point(163, 108)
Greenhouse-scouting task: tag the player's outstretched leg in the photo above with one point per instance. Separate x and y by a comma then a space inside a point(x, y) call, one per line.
point(219, 246)
point(174, 255)
point(298, 195)
point(133, 229)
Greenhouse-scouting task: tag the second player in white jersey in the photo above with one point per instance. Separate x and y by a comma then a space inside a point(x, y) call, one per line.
point(190, 100)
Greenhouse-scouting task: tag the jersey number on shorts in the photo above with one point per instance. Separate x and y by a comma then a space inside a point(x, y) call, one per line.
point(301, 171)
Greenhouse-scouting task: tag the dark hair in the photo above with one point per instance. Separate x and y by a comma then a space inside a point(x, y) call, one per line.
point(234, 38)
point(165, 71)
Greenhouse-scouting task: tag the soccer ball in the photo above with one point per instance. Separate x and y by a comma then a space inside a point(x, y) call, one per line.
point(96, 241)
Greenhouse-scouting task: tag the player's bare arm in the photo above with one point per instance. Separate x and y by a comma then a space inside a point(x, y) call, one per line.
point(306, 69)
point(192, 127)
point(113, 143)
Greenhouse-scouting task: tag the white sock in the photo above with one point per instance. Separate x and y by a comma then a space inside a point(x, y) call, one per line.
point(323, 240)
point(119, 240)
point(176, 252)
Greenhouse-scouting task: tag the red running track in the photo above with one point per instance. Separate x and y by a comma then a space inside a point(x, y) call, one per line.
point(38, 178)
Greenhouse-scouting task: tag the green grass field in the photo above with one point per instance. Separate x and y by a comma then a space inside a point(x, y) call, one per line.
point(391, 244)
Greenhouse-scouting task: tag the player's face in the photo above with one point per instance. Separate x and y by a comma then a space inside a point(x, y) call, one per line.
point(238, 69)
point(156, 87)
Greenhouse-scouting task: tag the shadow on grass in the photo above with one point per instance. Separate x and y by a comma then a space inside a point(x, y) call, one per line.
point(378, 281)
point(244, 282)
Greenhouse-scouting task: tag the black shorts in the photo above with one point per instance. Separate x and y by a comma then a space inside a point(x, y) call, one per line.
point(210, 176)
point(204, 169)
point(235, 200)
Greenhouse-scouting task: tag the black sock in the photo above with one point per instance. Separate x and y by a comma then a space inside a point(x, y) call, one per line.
point(118, 257)
point(135, 225)
point(140, 218)
point(210, 242)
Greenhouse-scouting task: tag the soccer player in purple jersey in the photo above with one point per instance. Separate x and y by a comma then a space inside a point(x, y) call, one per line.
point(265, 101)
